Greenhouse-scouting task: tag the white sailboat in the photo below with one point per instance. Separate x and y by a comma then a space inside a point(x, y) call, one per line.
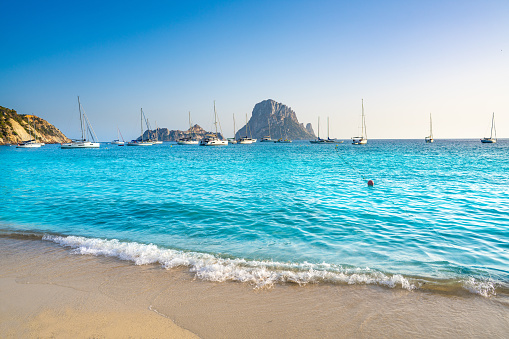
point(213, 140)
point(246, 139)
point(232, 140)
point(86, 131)
point(429, 139)
point(267, 138)
point(117, 141)
point(157, 141)
point(492, 139)
point(140, 142)
point(32, 143)
point(363, 139)
point(189, 140)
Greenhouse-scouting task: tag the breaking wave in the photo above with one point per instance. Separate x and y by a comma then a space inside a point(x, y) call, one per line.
point(261, 274)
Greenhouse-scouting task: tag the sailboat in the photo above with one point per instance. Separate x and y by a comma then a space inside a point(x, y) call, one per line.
point(157, 141)
point(363, 139)
point(267, 138)
point(319, 140)
point(86, 130)
point(140, 142)
point(232, 140)
point(117, 141)
point(246, 139)
point(213, 140)
point(189, 139)
point(491, 139)
point(281, 140)
point(429, 139)
point(32, 143)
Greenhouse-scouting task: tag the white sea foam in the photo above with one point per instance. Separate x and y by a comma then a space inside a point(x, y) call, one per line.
point(484, 287)
point(209, 267)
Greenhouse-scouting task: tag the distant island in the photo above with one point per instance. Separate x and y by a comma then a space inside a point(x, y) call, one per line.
point(267, 116)
point(15, 128)
point(282, 120)
point(163, 134)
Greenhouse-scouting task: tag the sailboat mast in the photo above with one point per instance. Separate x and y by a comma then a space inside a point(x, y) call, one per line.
point(493, 126)
point(363, 121)
point(318, 128)
point(430, 127)
point(215, 117)
point(81, 120)
point(141, 123)
point(328, 128)
point(234, 126)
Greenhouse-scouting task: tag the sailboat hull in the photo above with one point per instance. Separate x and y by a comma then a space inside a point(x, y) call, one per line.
point(488, 141)
point(80, 144)
point(29, 145)
point(215, 142)
point(359, 141)
point(141, 143)
point(187, 142)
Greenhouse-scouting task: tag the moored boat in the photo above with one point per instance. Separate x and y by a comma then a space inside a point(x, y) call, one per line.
point(213, 140)
point(492, 139)
point(363, 139)
point(86, 132)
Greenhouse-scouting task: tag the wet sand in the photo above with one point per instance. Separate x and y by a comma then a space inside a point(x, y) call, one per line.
point(46, 291)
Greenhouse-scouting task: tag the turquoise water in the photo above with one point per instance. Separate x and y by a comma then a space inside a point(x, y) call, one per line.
point(438, 214)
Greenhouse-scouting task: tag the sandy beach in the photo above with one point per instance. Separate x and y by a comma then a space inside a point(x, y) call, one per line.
point(46, 291)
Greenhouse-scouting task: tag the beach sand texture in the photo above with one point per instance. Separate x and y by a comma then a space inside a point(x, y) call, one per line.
point(46, 291)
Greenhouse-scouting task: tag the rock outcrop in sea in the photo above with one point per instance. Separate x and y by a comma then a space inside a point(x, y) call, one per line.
point(282, 120)
point(163, 134)
point(15, 128)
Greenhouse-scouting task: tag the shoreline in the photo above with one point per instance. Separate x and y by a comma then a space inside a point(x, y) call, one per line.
point(52, 291)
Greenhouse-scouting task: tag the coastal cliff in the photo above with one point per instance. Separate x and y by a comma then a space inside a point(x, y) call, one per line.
point(15, 128)
point(281, 120)
point(163, 134)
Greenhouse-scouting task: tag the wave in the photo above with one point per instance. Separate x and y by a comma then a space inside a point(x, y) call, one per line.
point(261, 274)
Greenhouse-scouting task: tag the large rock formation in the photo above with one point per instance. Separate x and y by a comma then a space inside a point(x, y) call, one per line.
point(282, 121)
point(15, 128)
point(163, 134)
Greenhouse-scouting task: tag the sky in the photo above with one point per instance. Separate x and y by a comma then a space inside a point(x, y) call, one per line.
point(405, 59)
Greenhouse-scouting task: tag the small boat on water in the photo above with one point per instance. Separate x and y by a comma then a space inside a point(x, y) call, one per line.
point(32, 143)
point(117, 141)
point(492, 139)
point(140, 142)
point(267, 138)
point(246, 139)
point(189, 140)
point(213, 140)
point(429, 139)
point(363, 139)
point(233, 141)
point(281, 140)
point(157, 141)
point(321, 141)
point(86, 132)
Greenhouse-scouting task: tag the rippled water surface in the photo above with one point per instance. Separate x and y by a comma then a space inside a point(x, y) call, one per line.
point(277, 212)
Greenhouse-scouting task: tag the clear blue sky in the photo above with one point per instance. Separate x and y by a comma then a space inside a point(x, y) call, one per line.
point(405, 58)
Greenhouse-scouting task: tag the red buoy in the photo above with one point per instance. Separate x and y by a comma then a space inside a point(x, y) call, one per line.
point(371, 183)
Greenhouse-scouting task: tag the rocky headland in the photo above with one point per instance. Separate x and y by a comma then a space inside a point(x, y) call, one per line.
point(15, 128)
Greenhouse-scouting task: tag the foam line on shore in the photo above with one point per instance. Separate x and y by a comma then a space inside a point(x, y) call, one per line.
point(261, 274)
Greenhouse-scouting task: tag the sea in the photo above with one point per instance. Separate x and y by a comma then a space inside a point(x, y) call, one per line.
point(267, 214)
